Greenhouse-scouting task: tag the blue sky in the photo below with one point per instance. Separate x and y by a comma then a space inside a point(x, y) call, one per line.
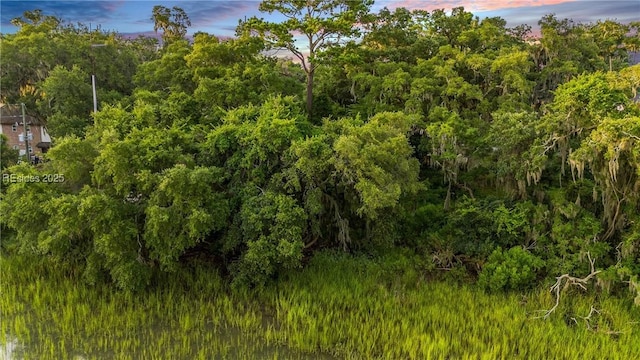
point(221, 17)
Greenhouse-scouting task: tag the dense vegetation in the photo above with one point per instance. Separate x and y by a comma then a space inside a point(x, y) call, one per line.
point(338, 307)
point(485, 153)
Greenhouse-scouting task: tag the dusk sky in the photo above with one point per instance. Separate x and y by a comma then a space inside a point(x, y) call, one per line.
point(221, 17)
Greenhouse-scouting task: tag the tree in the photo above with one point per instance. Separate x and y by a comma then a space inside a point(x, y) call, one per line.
point(173, 23)
point(396, 36)
point(168, 73)
point(8, 156)
point(36, 20)
point(452, 26)
point(351, 175)
point(579, 107)
point(66, 98)
point(610, 36)
point(565, 50)
point(322, 23)
point(272, 226)
point(187, 205)
point(27, 56)
point(46, 65)
point(232, 73)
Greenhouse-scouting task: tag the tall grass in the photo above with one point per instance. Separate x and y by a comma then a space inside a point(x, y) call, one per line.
point(337, 307)
point(191, 315)
point(376, 310)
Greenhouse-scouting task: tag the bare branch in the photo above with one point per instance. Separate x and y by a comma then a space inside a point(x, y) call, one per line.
point(312, 242)
point(631, 135)
point(564, 281)
point(587, 319)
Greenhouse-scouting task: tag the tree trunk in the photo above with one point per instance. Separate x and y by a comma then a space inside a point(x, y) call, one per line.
point(310, 93)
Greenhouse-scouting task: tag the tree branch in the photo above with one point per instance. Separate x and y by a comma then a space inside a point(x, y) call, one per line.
point(569, 280)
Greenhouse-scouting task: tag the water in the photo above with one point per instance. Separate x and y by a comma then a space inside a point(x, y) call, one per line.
point(8, 349)
point(234, 344)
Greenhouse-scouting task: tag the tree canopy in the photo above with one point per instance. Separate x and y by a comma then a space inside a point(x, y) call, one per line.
point(473, 144)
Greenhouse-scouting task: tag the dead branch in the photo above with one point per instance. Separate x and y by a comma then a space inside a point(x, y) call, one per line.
point(630, 135)
point(566, 280)
point(313, 242)
point(587, 319)
point(587, 322)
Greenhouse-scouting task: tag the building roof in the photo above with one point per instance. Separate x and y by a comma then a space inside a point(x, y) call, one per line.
point(11, 114)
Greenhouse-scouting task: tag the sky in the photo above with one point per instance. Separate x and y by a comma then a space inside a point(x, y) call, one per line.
point(220, 18)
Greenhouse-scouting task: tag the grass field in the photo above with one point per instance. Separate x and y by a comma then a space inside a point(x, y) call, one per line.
point(337, 307)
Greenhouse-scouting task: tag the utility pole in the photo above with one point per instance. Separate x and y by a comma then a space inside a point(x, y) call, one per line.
point(26, 134)
point(95, 97)
point(93, 78)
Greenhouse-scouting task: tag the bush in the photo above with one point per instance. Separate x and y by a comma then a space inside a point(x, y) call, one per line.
point(272, 227)
point(511, 270)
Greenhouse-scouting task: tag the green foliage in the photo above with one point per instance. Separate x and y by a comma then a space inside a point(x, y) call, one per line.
point(572, 233)
point(515, 269)
point(204, 151)
point(591, 126)
point(22, 207)
point(67, 237)
point(376, 158)
point(73, 157)
point(128, 165)
point(116, 238)
point(232, 73)
point(511, 134)
point(173, 23)
point(44, 43)
point(351, 173)
point(628, 269)
point(323, 23)
point(272, 226)
point(565, 50)
point(66, 97)
point(169, 73)
point(8, 156)
point(251, 140)
point(183, 210)
point(473, 229)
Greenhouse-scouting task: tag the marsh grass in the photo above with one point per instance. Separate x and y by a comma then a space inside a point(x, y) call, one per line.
point(370, 310)
point(338, 306)
point(48, 314)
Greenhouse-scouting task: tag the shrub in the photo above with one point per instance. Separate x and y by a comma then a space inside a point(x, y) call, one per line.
point(510, 270)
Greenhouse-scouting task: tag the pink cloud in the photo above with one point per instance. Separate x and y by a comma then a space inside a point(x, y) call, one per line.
point(471, 5)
